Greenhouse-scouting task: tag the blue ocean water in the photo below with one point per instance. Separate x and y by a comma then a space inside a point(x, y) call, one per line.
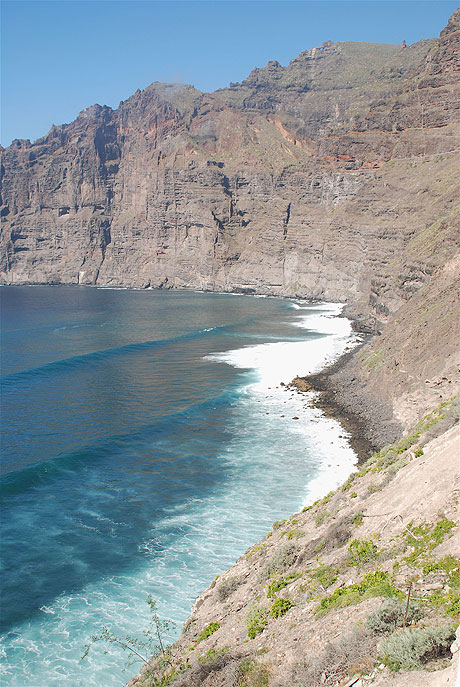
point(146, 442)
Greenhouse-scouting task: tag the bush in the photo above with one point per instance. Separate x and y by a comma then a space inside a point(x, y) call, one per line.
point(351, 653)
point(208, 631)
point(280, 607)
point(227, 587)
point(325, 575)
point(322, 516)
point(282, 559)
point(390, 616)
point(373, 584)
point(361, 551)
point(410, 649)
point(357, 519)
point(256, 620)
point(280, 583)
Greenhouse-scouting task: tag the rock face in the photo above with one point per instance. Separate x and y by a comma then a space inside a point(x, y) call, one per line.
point(319, 179)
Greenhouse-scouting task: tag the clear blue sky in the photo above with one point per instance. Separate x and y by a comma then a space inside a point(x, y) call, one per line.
point(63, 55)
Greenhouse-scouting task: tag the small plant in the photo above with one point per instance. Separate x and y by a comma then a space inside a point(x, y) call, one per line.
point(280, 583)
point(361, 551)
point(322, 516)
point(353, 495)
point(280, 607)
point(373, 584)
point(208, 631)
point(349, 654)
point(282, 559)
point(213, 654)
point(293, 534)
point(390, 616)
point(418, 452)
point(325, 575)
point(357, 519)
point(152, 644)
point(410, 649)
point(256, 620)
point(424, 538)
point(252, 674)
point(227, 587)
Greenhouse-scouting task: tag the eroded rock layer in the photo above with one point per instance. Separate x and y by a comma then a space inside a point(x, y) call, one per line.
point(320, 179)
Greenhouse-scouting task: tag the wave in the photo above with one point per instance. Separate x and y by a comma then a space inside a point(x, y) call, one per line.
point(62, 465)
point(12, 380)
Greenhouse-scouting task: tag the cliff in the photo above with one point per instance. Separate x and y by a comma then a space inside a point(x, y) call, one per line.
point(335, 177)
point(316, 179)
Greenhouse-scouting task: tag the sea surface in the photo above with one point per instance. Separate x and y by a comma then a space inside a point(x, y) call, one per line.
point(147, 442)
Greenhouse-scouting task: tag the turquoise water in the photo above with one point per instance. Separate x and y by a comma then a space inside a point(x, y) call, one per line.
point(137, 426)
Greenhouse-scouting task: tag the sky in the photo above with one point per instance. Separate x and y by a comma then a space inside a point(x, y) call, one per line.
point(60, 56)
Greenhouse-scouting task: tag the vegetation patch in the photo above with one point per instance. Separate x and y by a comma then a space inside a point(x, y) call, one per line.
point(350, 654)
point(281, 560)
point(361, 551)
point(256, 620)
point(250, 673)
point(208, 631)
point(280, 607)
point(325, 575)
point(357, 519)
point(322, 516)
point(390, 616)
point(212, 655)
point(227, 587)
point(293, 534)
point(425, 537)
point(373, 584)
point(282, 582)
point(411, 649)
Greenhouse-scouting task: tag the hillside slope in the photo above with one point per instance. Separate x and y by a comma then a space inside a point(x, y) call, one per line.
point(304, 605)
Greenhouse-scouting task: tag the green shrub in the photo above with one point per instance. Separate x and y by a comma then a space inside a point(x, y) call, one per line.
point(361, 551)
point(293, 534)
point(278, 523)
point(390, 616)
point(353, 495)
point(326, 575)
point(410, 649)
point(347, 655)
point(212, 655)
point(425, 537)
point(357, 519)
point(280, 607)
point(418, 452)
point(280, 583)
point(208, 631)
point(373, 584)
point(256, 620)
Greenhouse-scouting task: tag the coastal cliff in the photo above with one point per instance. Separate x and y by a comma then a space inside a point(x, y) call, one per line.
point(335, 178)
point(319, 179)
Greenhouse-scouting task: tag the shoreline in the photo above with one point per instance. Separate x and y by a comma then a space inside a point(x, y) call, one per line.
point(332, 406)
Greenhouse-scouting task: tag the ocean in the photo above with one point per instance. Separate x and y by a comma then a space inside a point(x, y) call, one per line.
point(147, 442)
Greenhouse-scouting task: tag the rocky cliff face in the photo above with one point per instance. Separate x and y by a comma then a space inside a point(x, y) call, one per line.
point(316, 179)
